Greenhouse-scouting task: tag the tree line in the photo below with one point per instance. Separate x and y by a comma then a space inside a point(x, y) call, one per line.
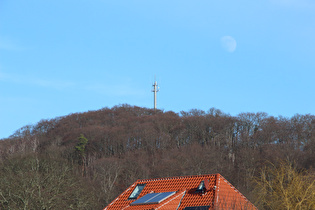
point(108, 149)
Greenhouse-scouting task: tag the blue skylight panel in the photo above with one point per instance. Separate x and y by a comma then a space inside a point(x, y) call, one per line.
point(136, 192)
point(153, 198)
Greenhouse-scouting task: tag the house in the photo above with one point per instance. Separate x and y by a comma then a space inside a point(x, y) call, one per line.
point(201, 192)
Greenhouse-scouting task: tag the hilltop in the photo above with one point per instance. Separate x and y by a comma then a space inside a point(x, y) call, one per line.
point(106, 150)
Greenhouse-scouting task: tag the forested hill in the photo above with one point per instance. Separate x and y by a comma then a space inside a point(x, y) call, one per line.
point(108, 149)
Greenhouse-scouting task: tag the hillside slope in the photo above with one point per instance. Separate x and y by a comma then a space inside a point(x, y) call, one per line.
point(112, 147)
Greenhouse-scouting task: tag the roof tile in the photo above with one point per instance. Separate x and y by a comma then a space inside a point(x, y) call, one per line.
point(221, 193)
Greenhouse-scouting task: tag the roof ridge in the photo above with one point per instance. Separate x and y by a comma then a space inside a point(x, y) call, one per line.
point(176, 177)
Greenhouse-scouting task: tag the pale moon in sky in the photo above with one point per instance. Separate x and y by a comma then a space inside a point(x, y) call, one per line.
point(228, 43)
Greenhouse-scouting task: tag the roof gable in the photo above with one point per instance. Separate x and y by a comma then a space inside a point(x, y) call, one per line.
point(219, 192)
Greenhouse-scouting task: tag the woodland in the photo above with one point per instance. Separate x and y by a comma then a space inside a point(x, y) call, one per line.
point(85, 160)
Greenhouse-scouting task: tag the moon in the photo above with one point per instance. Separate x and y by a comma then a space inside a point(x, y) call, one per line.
point(228, 43)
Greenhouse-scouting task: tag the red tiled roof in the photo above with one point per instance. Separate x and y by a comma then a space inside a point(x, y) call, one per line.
point(221, 194)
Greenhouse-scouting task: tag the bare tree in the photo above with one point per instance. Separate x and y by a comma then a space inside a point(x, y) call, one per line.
point(285, 187)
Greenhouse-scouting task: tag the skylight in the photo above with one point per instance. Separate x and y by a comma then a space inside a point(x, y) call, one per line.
point(201, 186)
point(153, 198)
point(204, 186)
point(136, 192)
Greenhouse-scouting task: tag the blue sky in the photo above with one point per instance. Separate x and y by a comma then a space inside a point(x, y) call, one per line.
point(65, 56)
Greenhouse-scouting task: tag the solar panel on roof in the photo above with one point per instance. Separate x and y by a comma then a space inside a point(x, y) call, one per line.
point(145, 199)
point(152, 198)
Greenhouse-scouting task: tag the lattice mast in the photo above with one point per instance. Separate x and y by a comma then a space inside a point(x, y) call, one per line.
point(155, 90)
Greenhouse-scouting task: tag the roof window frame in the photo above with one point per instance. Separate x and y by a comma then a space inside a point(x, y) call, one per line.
point(136, 192)
point(201, 187)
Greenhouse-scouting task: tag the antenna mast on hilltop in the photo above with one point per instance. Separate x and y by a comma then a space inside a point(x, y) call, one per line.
point(155, 90)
